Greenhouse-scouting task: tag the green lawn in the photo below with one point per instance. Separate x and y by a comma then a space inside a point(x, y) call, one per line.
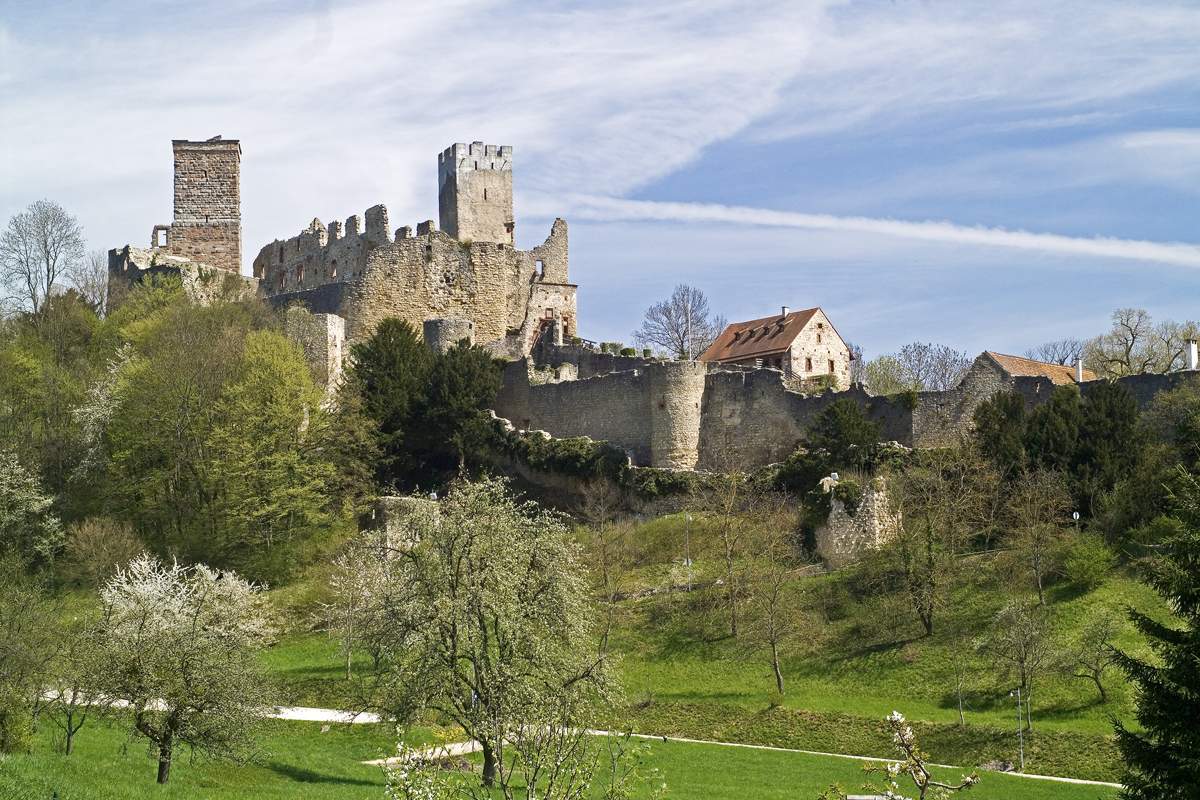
point(301, 762)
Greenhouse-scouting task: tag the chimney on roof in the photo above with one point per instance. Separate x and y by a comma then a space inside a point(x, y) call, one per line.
point(1192, 356)
point(785, 311)
point(1079, 369)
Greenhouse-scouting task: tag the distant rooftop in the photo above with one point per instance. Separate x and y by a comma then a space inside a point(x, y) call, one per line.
point(1017, 367)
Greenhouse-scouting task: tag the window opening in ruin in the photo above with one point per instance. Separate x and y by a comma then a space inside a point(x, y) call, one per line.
point(808, 365)
point(429, 250)
point(162, 238)
point(333, 268)
point(446, 279)
point(541, 267)
point(300, 274)
point(280, 254)
point(476, 165)
point(485, 194)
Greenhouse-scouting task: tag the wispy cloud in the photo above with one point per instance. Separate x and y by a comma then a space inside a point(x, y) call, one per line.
point(612, 209)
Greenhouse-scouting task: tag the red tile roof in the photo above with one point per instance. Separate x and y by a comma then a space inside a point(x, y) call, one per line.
point(758, 337)
point(1017, 366)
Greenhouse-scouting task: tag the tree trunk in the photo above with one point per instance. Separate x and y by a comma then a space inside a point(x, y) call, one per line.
point(164, 759)
point(489, 764)
point(69, 739)
point(1100, 689)
point(775, 666)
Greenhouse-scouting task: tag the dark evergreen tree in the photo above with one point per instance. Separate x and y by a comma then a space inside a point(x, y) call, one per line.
point(390, 373)
point(463, 383)
point(1000, 432)
point(1162, 761)
point(1109, 443)
point(1052, 430)
point(843, 431)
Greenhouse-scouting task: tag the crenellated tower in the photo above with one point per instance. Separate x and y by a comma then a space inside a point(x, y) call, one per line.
point(475, 192)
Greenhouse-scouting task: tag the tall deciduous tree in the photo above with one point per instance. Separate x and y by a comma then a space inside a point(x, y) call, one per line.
point(1160, 759)
point(28, 647)
point(1038, 505)
point(1019, 642)
point(682, 325)
point(1060, 351)
point(486, 620)
point(38, 249)
point(181, 648)
point(1135, 344)
point(28, 528)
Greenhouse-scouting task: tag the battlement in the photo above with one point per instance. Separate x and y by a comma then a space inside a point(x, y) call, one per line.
point(475, 192)
point(461, 157)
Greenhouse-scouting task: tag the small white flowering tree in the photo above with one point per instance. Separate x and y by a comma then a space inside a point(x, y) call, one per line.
point(28, 528)
point(914, 765)
point(180, 648)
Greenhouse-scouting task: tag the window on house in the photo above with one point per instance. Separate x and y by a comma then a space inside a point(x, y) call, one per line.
point(831, 366)
point(808, 365)
point(485, 194)
point(818, 338)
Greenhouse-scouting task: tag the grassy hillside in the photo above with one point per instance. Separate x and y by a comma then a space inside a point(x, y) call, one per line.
point(300, 760)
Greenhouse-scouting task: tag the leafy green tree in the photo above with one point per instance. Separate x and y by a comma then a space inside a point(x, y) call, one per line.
point(486, 620)
point(28, 646)
point(1161, 759)
point(390, 372)
point(181, 645)
point(266, 456)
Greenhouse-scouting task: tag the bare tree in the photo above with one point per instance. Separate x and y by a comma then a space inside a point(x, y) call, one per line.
point(776, 618)
point(1060, 351)
point(40, 246)
point(1134, 345)
point(1038, 506)
point(682, 325)
point(90, 277)
point(1092, 653)
point(918, 366)
point(858, 366)
point(1020, 646)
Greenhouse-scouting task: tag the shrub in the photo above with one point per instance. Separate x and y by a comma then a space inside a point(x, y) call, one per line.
point(646, 352)
point(850, 493)
point(1088, 561)
point(97, 547)
point(628, 351)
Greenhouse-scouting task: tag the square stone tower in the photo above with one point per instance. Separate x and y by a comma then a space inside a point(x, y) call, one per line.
point(475, 192)
point(207, 225)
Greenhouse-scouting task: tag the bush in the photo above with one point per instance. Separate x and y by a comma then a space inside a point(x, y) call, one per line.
point(96, 547)
point(628, 351)
point(646, 352)
point(1088, 561)
point(850, 493)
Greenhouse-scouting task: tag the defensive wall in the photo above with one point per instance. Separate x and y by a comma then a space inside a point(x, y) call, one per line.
point(685, 416)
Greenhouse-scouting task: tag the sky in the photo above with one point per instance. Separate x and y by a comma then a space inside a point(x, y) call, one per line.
point(984, 174)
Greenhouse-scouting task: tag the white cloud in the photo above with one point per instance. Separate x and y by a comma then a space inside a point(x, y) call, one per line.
point(611, 209)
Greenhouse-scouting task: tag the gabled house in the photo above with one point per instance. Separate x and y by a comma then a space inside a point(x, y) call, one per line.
point(803, 344)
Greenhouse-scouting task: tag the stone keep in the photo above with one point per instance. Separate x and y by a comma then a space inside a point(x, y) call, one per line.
point(207, 222)
point(475, 192)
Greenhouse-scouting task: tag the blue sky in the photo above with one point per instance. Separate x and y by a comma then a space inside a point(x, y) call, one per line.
point(981, 174)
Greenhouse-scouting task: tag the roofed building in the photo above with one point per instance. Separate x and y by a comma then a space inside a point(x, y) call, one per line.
point(1018, 367)
point(803, 344)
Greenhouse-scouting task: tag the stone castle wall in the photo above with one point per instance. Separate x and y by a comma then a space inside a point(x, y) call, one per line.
point(323, 339)
point(367, 276)
point(845, 537)
point(679, 415)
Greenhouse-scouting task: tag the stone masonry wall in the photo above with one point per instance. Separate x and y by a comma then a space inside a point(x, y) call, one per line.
point(323, 339)
point(821, 344)
point(207, 224)
point(420, 277)
point(845, 537)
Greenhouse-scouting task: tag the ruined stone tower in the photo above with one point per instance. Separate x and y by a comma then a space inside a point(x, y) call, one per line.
point(475, 192)
point(207, 224)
